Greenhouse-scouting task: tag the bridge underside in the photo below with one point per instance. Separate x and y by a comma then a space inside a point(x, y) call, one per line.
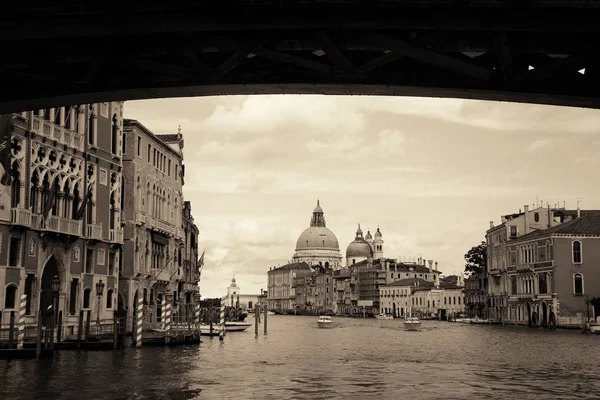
point(536, 54)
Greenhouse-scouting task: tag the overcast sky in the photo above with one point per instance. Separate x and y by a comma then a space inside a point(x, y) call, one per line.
point(431, 173)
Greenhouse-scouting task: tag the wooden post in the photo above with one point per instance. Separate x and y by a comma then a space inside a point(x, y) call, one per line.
point(80, 329)
point(212, 316)
point(22, 309)
point(88, 321)
point(38, 347)
point(11, 331)
point(256, 321)
point(115, 330)
point(52, 328)
point(266, 311)
point(140, 320)
point(59, 328)
point(163, 312)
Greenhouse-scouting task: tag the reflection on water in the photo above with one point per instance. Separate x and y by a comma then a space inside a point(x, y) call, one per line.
point(358, 359)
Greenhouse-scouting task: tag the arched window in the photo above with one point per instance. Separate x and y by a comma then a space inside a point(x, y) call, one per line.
point(578, 284)
point(10, 297)
point(109, 298)
point(576, 252)
point(15, 186)
point(112, 215)
point(86, 297)
point(536, 217)
point(114, 134)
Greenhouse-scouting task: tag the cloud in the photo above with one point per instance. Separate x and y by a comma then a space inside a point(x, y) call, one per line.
point(431, 172)
point(539, 145)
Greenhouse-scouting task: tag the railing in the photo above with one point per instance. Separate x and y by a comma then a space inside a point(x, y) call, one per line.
point(20, 216)
point(63, 225)
point(94, 231)
point(115, 236)
point(58, 133)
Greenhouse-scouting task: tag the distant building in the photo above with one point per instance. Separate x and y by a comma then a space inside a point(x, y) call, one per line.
point(314, 290)
point(552, 273)
point(475, 297)
point(361, 249)
point(281, 294)
point(235, 297)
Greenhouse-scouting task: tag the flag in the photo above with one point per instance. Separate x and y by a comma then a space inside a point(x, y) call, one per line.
point(82, 207)
point(200, 262)
point(50, 201)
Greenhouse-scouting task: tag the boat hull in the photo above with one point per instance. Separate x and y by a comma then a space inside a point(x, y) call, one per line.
point(229, 327)
point(595, 328)
point(411, 326)
point(325, 324)
point(384, 317)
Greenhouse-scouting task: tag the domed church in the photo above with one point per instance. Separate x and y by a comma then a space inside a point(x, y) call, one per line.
point(317, 245)
point(361, 248)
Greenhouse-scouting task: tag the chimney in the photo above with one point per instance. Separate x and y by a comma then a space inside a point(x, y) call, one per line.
point(437, 281)
point(526, 210)
point(436, 266)
point(491, 224)
point(430, 262)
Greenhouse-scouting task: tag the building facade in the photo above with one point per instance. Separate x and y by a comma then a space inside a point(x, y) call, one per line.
point(281, 294)
point(61, 196)
point(313, 290)
point(553, 273)
point(160, 236)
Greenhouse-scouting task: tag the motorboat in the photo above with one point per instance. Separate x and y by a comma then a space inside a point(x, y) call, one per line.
point(229, 327)
point(477, 320)
point(595, 327)
point(384, 316)
point(463, 320)
point(412, 323)
point(325, 321)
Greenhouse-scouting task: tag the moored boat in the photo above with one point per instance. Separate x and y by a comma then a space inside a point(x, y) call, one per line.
point(384, 316)
point(229, 327)
point(325, 321)
point(595, 328)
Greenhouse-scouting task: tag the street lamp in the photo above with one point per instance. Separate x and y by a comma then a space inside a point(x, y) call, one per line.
point(99, 293)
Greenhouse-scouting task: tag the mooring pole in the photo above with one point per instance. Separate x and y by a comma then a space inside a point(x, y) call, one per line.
point(266, 310)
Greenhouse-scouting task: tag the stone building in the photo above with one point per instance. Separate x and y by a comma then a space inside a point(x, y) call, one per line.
point(281, 294)
point(475, 297)
point(313, 290)
point(553, 273)
point(160, 244)
point(61, 197)
point(361, 249)
point(236, 298)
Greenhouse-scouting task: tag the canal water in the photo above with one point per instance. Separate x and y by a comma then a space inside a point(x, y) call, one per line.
point(358, 359)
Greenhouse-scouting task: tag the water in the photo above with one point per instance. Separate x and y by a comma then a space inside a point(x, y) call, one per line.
point(358, 359)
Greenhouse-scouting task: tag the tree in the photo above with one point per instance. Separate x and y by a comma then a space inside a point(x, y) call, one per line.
point(476, 259)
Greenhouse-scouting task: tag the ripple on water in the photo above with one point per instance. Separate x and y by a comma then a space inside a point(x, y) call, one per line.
point(359, 359)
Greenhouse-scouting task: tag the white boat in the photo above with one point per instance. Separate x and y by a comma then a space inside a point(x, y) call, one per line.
point(595, 328)
point(384, 316)
point(412, 323)
point(229, 327)
point(325, 321)
point(477, 320)
point(463, 320)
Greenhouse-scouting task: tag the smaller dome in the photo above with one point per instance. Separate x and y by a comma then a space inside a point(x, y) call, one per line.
point(378, 234)
point(359, 248)
point(318, 208)
point(368, 237)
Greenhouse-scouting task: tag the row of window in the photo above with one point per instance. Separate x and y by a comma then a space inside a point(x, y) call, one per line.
point(158, 159)
point(10, 298)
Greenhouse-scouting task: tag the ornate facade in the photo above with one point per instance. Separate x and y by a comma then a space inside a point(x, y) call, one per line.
point(161, 239)
point(60, 211)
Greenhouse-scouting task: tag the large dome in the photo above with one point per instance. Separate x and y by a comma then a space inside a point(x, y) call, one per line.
point(317, 237)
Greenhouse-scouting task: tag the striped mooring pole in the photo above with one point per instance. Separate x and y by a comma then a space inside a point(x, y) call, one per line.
point(163, 313)
point(22, 307)
point(167, 320)
point(197, 314)
point(222, 319)
point(140, 320)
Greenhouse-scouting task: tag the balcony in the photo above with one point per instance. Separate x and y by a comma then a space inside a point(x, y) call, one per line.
point(56, 132)
point(140, 218)
point(94, 231)
point(20, 216)
point(63, 225)
point(115, 236)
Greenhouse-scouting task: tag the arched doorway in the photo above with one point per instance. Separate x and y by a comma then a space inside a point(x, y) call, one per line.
point(159, 301)
point(544, 314)
point(528, 312)
point(48, 297)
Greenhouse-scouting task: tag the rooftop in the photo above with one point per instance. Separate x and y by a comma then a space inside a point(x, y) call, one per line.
point(587, 224)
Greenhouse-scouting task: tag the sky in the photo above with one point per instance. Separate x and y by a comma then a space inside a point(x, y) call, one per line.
point(431, 173)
